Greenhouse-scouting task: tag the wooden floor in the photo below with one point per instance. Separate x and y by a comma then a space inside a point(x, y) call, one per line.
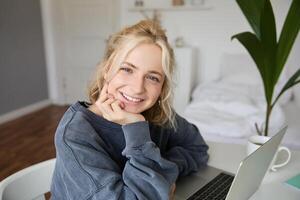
point(28, 140)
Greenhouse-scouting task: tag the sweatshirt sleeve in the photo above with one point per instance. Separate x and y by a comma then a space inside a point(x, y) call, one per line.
point(84, 170)
point(187, 148)
point(147, 174)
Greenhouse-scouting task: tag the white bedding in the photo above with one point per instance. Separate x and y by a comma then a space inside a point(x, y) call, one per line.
point(228, 109)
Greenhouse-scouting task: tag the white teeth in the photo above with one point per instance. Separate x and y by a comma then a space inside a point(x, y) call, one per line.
point(131, 98)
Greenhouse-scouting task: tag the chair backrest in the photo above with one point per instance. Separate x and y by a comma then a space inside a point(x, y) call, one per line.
point(28, 184)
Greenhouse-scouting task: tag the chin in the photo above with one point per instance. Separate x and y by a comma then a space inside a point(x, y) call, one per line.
point(134, 110)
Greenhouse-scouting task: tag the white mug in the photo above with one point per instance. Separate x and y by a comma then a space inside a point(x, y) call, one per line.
point(255, 141)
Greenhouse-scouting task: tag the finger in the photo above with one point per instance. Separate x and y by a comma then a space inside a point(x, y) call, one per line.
point(101, 100)
point(107, 105)
point(172, 192)
point(104, 107)
point(116, 106)
point(111, 110)
point(174, 188)
point(122, 105)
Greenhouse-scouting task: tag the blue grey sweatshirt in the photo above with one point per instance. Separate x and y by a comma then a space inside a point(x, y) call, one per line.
point(97, 159)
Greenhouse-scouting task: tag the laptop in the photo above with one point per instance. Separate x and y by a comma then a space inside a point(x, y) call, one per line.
point(211, 183)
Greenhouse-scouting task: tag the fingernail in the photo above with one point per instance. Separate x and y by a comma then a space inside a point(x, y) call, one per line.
point(122, 105)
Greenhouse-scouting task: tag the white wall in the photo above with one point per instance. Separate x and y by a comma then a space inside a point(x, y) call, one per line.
point(72, 44)
point(52, 29)
point(207, 30)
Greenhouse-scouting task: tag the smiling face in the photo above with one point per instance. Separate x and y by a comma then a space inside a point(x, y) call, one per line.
point(139, 80)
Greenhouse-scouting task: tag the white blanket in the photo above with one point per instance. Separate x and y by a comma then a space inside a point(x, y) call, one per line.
point(230, 110)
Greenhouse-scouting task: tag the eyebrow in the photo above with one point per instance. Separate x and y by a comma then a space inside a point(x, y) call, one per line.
point(151, 71)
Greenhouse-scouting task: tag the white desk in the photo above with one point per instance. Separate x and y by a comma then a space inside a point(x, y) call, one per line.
point(228, 157)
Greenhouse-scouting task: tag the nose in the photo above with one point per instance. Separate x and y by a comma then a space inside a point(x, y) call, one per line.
point(138, 85)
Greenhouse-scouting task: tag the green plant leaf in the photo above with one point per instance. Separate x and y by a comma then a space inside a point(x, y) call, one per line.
point(270, 56)
point(252, 11)
point(295, 79)
point(288, 35)
point(268, 28)
point(254, 47)
point(269, 45)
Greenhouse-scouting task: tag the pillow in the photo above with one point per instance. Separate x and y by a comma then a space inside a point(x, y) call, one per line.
point(241, 69)
point(243, 78)
point(232, 64)
point(287, 96)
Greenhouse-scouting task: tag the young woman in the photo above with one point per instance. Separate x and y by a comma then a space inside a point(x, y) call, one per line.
point(128, 143)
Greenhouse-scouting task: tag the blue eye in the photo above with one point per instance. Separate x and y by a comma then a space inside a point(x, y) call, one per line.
point(153, 78)
point(126, 69)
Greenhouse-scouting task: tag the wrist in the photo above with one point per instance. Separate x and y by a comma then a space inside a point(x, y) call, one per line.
point(95, 109)
point(134, 119)
point(136, 134)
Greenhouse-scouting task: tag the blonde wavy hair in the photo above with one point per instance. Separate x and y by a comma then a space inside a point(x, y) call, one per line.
point(118, 46)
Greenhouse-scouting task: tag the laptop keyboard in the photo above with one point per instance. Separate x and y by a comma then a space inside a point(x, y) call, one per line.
point(216, 189)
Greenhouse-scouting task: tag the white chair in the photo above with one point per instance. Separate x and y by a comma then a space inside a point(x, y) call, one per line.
point(30, 183)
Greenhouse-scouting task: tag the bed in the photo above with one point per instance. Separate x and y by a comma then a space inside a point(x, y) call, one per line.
point(225, 110)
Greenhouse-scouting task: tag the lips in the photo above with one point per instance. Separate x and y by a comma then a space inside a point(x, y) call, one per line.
point(131, 99)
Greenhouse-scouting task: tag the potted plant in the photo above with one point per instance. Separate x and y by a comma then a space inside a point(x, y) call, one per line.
point(268, 53)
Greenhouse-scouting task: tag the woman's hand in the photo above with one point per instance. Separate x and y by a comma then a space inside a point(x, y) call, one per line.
point(172, 192)
point(113, 109)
